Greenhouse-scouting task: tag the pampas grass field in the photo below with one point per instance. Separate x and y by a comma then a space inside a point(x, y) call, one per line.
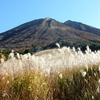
point(54, 74)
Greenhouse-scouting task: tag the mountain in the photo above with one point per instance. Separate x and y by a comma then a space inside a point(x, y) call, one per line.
point(82, 27)
point(42, 32)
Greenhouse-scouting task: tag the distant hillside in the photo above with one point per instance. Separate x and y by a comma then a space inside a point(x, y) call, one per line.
point(43, 32)
point(82, 27)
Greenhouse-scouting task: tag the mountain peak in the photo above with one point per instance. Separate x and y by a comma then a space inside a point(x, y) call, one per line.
point(41, 32)
point(52, 23)
point(47, 18)
point(82, 27)
point(72, 23)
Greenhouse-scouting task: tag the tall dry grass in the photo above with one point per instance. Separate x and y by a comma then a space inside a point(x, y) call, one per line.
point(57, 74)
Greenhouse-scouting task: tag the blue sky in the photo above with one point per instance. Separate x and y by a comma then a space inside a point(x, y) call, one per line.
point(17, 12)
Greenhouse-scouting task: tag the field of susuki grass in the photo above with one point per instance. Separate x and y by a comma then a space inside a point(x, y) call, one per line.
point(55, 74)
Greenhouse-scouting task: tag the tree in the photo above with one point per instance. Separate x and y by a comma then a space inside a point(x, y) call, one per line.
point(28, 51)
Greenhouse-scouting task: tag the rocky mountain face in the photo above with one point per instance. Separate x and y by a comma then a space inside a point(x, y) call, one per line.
point(82, 27)
point(42, 32)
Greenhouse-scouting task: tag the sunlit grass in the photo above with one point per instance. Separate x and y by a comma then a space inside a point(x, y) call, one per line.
point(61, 74)
point(72, 85)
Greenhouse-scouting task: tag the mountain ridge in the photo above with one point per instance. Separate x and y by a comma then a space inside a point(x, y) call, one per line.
point(42, 32)
point(82, 27)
